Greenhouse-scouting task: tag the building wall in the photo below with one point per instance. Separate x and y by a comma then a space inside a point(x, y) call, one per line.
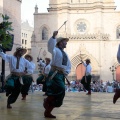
point(26, 34)
point(13, 9)
point(1, 8)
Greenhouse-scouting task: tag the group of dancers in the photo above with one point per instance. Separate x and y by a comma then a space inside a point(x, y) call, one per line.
point(53, 77)
point(20, 78)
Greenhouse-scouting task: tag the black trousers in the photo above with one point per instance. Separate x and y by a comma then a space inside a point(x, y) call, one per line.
point(87, 85)
point(27, 81)
point(14, 92)
point(44, 88)
point(25, 89)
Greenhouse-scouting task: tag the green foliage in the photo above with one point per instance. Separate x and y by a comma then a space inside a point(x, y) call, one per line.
point(5, 29)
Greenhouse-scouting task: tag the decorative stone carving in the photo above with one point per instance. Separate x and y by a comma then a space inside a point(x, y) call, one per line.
point(81, 26)
point(94, 36)
point(44, 53)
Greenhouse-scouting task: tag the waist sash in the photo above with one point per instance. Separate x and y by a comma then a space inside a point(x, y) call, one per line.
point(20, 76)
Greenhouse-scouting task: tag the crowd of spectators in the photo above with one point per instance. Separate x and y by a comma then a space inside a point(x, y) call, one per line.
point(76, 86)
point(96, 86)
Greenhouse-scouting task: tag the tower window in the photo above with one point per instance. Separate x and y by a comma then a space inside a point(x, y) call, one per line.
point(44, 34)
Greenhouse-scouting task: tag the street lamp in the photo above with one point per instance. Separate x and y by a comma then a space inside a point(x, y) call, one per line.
point(113, 69)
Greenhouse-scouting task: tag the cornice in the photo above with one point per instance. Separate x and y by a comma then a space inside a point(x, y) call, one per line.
point(88, 37)
point(81, 6)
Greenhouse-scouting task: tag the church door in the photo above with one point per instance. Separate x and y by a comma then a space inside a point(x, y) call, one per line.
point(80, 71)
point(118, 73)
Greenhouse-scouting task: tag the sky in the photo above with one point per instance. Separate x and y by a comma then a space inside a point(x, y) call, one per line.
point(28, 8)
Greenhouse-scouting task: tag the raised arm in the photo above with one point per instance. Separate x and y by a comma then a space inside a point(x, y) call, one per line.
point(5, 56)
point(52, 42)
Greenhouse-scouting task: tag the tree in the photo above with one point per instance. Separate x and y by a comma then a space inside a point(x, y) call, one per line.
point(5, 29)
point(6, 41)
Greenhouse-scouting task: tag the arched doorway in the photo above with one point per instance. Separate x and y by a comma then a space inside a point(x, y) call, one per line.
point(80, 71)
point(118, 73)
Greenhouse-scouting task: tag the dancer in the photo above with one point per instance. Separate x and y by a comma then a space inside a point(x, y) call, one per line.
point(86, 80)
point(117, 91)
point(60, 68)
point(46, 69)
point(27, 79)
point(17, 66)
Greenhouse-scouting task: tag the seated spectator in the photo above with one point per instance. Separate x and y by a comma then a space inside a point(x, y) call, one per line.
point(109, 88)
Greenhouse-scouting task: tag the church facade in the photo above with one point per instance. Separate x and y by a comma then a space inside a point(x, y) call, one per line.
point(93, 29)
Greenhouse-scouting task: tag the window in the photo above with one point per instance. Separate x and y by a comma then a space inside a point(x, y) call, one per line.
point(44, 34)
point(24, 34)
point(25, 42)
point(22, 41)
point(118, 32)
point(81, 27)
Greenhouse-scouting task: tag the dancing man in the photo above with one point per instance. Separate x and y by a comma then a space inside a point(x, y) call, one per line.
point(86, 80)
point(60, 68)
point(46, 69)
point(117, 91)
point(17, 66)
point(27, 78)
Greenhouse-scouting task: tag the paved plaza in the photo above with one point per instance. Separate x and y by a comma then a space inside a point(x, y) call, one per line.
point(77, 106)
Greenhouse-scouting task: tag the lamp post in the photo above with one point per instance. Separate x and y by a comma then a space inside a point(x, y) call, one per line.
point(3, 74)
point(113, 69)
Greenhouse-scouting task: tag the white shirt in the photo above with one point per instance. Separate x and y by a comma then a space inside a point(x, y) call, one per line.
point(12, 60)
point(57, 56)
point(32, 66)
point(88, 69)
point(46, 69)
